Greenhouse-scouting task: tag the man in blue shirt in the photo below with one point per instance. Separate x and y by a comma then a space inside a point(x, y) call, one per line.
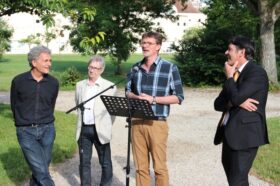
point(33, 97)
point(157, 81)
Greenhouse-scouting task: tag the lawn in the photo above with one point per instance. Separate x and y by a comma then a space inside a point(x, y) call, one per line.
point(267, 163)
point(13, 168)
point(12, 65)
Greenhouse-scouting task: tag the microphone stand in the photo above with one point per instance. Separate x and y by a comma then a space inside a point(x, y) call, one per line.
point(128, 120)
point(82, 108)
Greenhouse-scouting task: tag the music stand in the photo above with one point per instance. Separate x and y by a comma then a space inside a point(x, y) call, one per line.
point(125, 107)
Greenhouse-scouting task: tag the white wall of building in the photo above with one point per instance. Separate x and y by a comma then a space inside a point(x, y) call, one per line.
point(175, 30)
point(25, 24)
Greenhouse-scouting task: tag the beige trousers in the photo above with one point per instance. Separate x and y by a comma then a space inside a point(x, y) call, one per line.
point(149, 137)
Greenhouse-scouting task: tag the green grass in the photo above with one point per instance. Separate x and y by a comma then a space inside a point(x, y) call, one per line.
point(13, 168)
point(11, 65)
point(267, 163)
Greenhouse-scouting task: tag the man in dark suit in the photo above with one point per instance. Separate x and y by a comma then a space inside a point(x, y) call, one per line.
point(242, 128)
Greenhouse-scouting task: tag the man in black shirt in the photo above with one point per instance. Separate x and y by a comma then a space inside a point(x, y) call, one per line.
point(33, 97)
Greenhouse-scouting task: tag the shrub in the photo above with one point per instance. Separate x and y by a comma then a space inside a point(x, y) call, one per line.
point(5, 35)
point(70, 76)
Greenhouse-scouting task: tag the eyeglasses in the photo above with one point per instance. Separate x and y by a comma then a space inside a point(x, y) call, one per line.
point(93, 68)
point(147, 43)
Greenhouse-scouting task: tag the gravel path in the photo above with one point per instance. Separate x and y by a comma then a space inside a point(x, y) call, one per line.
point(192, 157)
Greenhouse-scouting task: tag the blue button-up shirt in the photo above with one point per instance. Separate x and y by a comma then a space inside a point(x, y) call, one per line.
point(163, 79)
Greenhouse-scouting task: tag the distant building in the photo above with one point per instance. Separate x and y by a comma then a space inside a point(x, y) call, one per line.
point(189, 17)
point(25, 24)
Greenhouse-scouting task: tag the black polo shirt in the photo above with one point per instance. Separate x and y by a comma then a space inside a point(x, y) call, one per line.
point(33, 102)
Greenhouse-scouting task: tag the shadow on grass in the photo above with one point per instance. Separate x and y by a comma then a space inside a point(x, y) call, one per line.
point(6, 111)
point(61, 66)
point(15, 166)
point(4, 60)
point(60, 154)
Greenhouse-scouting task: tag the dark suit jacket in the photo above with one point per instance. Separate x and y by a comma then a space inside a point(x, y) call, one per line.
point(244, 129)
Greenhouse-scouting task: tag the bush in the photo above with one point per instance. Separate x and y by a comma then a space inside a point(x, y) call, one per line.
point(70, 76)
point(199, 63)
point(5, 34)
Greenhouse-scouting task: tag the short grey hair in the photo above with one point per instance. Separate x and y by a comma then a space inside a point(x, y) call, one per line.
point(98, 59)
point(35, 52)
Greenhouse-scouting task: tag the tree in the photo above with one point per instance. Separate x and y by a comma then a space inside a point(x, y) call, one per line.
point(277, 40)
point(5, 35)
point(268, 11)
point(44, 8)
point(201, 55)
point(30, 40)
point(121, 21)
point(50, 34)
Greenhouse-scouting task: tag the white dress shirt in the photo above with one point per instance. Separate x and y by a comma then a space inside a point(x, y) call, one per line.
point(89, 118)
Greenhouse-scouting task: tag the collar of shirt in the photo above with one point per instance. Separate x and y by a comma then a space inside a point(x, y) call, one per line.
point(155, 62)
point(97, 82)
point(45, 76)
point(242, 67)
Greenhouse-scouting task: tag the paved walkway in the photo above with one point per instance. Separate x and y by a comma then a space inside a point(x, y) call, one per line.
point(192, 157)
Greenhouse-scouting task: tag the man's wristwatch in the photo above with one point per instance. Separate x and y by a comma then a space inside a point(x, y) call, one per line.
point(154, 100)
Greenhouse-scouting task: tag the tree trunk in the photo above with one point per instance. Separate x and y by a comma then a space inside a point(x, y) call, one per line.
point(267, 52)
point(118, 68)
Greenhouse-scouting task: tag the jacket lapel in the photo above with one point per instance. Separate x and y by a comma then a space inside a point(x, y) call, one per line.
point(244, 71)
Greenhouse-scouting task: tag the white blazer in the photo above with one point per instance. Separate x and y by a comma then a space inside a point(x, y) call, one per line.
point(103, 120)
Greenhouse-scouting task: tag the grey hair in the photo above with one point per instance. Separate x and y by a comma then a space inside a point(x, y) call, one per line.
point(98, 59)
point(35, 52)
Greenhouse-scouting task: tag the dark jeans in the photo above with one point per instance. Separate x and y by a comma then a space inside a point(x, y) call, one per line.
point(87, 139)
point(36, 144)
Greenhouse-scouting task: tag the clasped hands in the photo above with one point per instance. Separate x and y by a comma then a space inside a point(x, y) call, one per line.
point(147, 97)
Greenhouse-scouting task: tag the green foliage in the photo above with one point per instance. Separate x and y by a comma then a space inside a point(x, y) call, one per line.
point(201, 53)
point(43, 8)
point(48, 21)
point(31, 39)
point(13, 167)
point(267, 163)
point(5, 35)
point(119, 20)
point(87, 43)
point(274, 87)
point(70, 76)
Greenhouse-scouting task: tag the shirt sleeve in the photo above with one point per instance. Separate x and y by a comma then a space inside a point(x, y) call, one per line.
point(176, 84)
point(128, 81)
point(13, 97)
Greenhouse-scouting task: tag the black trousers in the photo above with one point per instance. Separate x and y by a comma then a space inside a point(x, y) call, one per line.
point(237, 164)
point(87, 139)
